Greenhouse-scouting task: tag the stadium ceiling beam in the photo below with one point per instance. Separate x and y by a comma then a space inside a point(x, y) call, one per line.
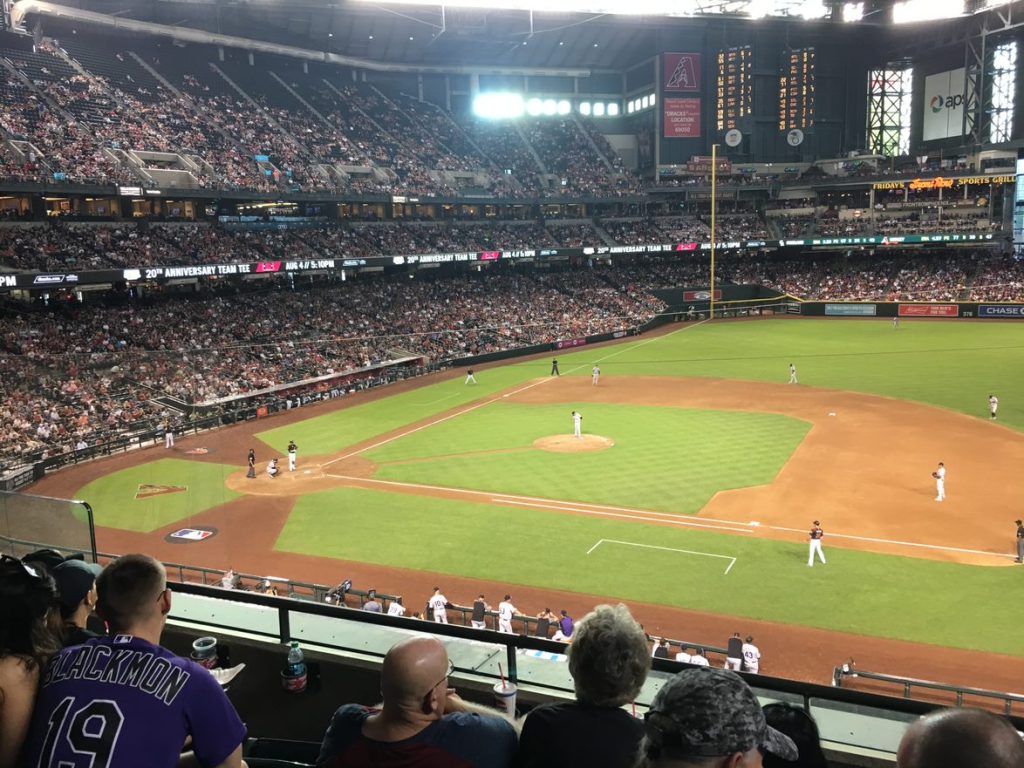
point(23, 8)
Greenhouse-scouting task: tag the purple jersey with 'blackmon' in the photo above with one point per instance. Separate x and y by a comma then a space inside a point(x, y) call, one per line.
point(122, 702)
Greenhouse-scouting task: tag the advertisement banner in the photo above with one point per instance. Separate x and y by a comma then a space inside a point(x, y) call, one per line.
point(570, 343)
point(928, 310)
point(851, 310)
point(943, 105)
point(682, 72)
point(1002, 310)
point(701, 295)
point(702, 164)
point(681, 118)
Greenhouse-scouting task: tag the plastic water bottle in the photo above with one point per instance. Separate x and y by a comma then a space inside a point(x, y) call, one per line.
point(293, 677)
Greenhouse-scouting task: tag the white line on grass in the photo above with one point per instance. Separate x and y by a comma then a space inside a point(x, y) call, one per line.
point(651, 516)
point(874, 540)
point(495, 399)
point(433, 423)
point(641, 516)
point(732, 560)
point(554, 505)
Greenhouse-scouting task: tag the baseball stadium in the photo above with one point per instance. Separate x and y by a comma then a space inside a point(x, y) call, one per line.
point(381, 321)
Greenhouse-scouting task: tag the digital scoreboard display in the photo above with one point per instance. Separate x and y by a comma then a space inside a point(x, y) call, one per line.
point(733, 86)
point(796, 90)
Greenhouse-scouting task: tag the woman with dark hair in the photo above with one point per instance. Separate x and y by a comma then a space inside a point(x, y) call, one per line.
point(801, 728)
point(29, 635)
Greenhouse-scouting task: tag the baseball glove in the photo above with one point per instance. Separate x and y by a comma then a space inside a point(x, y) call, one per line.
point(935, 475)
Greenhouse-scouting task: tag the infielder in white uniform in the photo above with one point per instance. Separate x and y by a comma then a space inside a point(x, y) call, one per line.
point(292, 454)
point(940, 482)
point(577, 424)
point(751, 656)
point(993, 406)
point(437, 604)
point(505, 613)
point(815, 537)
point(792, 374)
point(595, 374)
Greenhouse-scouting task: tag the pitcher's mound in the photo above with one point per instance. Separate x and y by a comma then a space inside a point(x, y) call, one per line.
point(570, 444)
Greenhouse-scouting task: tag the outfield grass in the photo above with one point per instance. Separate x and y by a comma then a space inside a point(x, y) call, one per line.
point(112, 496)
point(649, 443)
point(886, 596)
point(950, 364)
point(953, 365)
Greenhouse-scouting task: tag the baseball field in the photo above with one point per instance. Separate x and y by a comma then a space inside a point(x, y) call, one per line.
point(689, 496)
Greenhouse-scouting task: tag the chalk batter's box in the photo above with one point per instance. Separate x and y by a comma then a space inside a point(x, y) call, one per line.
point(929, 310)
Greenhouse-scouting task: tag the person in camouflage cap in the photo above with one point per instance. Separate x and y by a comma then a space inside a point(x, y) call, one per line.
point(709, 718)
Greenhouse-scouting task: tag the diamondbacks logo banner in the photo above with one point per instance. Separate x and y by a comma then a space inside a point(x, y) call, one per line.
point(146, 490)
point(682, 72)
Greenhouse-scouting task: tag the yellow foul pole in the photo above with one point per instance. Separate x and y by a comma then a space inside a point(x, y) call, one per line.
point(714, 198)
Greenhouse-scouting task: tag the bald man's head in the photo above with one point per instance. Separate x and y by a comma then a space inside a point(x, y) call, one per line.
point(412, 674)
point(953, 738)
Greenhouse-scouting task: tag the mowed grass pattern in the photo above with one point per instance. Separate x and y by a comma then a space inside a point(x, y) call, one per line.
point(666, 459)
point(857, 592)
point(113, 496)
point(950, 364)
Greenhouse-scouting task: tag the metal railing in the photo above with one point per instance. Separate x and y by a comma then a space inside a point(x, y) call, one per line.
point(908, 684)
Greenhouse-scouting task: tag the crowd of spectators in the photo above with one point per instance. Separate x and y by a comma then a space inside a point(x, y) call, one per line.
point(84, 372)
point(73, 120)
point(58, 610)
point(65, 362)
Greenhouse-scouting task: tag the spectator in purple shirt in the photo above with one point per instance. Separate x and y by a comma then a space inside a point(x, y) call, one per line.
point(564, 631)
point(123, 701)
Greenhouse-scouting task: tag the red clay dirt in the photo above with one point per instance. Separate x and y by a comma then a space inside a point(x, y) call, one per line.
point(864, 458)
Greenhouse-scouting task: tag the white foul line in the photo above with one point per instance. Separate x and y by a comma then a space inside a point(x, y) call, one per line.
point(732, 560)
point(435, 422)
point(651, 516)
point(558, 506)
point(495, 399)
point(668, 519)
point(874, 540)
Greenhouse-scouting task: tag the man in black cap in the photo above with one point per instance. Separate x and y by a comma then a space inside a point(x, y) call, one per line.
point(1020, 541)
point(709, 718)
point(76, 582)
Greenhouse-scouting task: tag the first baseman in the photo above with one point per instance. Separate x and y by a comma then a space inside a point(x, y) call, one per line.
point(993, 406)
point(577, 424)
point(815, 535)
point(595, 374)
point(292, 453)
point(940, 482)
